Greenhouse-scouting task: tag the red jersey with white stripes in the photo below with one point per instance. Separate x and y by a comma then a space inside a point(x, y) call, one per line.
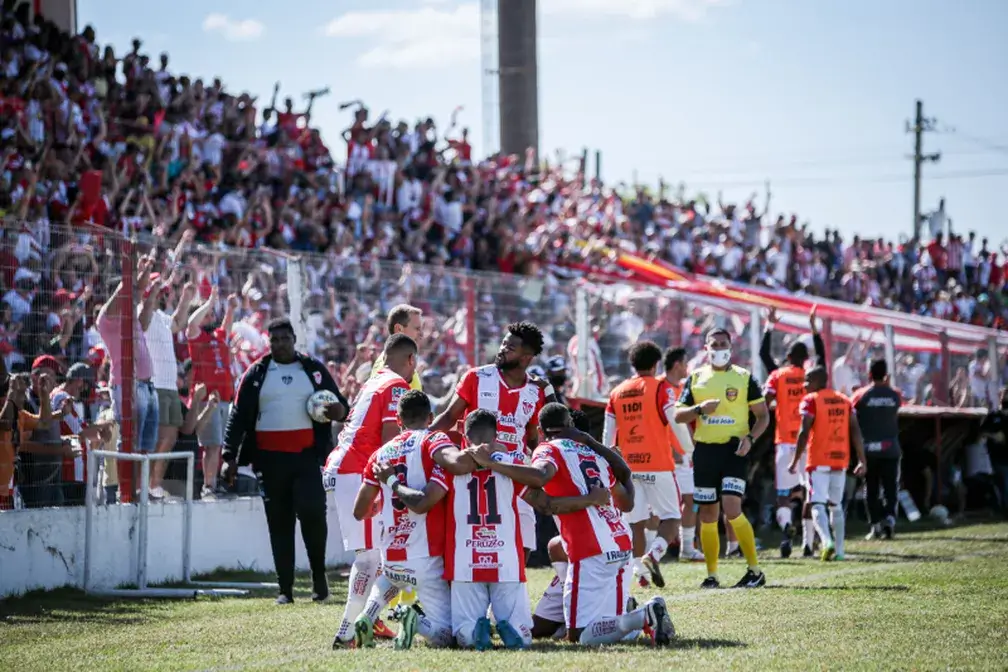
point(516, 407)
point(597, 530)
point(361, 436)
point(407, 535)
point(483, 541)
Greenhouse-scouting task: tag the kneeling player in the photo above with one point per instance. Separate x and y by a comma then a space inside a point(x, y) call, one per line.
point(596, 539)
point(828, 428)
point(411, 486)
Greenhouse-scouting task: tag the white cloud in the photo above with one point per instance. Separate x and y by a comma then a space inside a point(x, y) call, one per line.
point(233, 30)
point(428, 37)
point(686, 10)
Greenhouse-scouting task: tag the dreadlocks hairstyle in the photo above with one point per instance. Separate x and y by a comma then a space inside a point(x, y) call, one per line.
point(529, 335)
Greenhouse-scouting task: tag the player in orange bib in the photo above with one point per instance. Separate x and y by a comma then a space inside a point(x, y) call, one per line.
point(828, 428)
point(637, 418)
point(681, 439)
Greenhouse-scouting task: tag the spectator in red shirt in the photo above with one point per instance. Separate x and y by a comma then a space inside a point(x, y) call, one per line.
point(939, 257)
point(210, 352)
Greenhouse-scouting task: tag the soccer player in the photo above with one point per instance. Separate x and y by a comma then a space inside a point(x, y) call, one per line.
point(637, 418)
point(719, 397)
point(682, 451)
point(371, 424)
point(596, 539)
point(828, 428)
point(786, 386)
point(505, 389)
point(412, 488)
point(877, 408)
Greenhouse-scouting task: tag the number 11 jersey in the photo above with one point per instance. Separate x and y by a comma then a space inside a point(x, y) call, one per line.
point(483, 542)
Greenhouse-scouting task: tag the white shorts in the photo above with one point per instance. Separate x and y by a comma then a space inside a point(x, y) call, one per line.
point(784, 480)
point(827, 485)
point(595, 589)
point(509, 602)
point(426, 577)
point(527, 520)
point(684, 477)
point(358, 535)
point(657, 492)
point(551, 605)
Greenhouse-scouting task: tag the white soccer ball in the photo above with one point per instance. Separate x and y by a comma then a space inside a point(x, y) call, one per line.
point(318, 403)
point(940, 513)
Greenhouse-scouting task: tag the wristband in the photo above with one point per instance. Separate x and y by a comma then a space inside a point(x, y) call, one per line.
point(549, 391)
point(391, 480)
point(699, 411)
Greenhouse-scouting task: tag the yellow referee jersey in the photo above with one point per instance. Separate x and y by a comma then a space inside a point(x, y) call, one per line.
point(735, 388)
point(379, 363)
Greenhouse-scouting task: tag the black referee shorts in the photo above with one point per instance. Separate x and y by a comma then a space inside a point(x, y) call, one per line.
point(718, 471)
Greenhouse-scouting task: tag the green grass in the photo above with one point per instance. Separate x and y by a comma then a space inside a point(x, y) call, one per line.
point(927, 600)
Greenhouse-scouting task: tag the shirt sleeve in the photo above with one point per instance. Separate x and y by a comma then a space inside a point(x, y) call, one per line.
point(438, 476)
point(544, 453)
point(771, 384)
point(609, 407)
point(666, 402)
point(27, 422)
point(390, 401)
point(466, 388)
point(755, 395)
point(686, 397)
point(808, 406)
point(368, 474)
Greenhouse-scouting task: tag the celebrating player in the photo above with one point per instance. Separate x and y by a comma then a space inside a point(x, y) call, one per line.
point(596, 539)
point(682, 452)
point(786, 386)
point(371, 424)
point(505, 389)
point(828, 428)
point(412, 486)
point(637, 418)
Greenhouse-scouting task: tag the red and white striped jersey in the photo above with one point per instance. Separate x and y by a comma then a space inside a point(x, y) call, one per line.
point(597, 530)
point(515, 408)
point(361, 436)
point(483, 542)
point(407, 535)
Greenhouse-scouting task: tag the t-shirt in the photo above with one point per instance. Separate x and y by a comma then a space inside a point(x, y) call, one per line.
point(161, 346)
point(211, 363)
point(516, 408)
point(376, 403)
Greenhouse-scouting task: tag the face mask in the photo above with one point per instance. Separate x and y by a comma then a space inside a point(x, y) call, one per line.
point(720, 357)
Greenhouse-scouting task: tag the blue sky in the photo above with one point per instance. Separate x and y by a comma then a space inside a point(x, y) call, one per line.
point(716, 93)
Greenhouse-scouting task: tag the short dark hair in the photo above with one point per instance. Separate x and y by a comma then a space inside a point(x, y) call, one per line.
point(878, 369)
point(818, 373)
point(716, 331)
point(280, 324)
point(399, 345)
point(798, 353)
point(529, 334)
point(673, 356)
point(644, 355)
point(400, 316)
point(554, 416)
point(580, 420)
point(414, 407)
point(481, 426)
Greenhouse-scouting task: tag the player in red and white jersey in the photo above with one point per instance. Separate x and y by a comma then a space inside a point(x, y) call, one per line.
point(596, 539)
point(372, 422)
point(506, 389)
point(412, 518)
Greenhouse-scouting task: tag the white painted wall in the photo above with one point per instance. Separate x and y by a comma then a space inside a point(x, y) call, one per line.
point(44, 548)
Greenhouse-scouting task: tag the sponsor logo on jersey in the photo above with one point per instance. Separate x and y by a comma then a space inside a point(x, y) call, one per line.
point(528, 407)
point(718, 420)
point(398, 392)
point(317, 377)
point(485, 561)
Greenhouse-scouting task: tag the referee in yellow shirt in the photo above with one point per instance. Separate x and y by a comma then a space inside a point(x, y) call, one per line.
point(719, 398)
point(403, 319)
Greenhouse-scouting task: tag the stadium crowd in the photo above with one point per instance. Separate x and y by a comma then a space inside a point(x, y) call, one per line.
point(98, 148)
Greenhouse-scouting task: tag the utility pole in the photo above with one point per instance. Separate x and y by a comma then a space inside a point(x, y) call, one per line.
point(920, 126)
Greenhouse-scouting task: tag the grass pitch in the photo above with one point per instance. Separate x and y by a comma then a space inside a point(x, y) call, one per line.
point(928, 600)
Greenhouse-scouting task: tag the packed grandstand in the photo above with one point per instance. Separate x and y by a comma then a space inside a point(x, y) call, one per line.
point(115, 166)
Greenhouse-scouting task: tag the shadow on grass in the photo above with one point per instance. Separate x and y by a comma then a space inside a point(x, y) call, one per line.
point(875, 589)
point(879, 556)
point(547, 646)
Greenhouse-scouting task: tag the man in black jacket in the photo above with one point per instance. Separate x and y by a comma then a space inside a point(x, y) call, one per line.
point(269, 428)
point(877, 407)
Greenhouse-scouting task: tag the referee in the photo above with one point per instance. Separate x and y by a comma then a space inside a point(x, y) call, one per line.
point(719, 397)
point(269, 428)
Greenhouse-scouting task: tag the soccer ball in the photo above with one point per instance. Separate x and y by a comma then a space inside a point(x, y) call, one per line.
point(317, 404)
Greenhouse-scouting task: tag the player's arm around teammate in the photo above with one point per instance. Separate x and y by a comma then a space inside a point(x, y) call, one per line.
point(719, 398)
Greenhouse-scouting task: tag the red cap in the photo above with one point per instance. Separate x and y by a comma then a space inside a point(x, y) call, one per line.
point(46, 362)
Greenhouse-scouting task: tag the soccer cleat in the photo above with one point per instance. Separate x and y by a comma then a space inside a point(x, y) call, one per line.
point(734, 553)
point(807, 552)
point(693, 555)
point(383, 631)
point(828, 553)
point(710, 582)
point(338, 643)
point(407, 629)
point(840, 556)
point(785, 548)
point(888, 530)
point(874, 534)
point(643, 581)
point(284, 598)
point(481, 634)
point(662, 629)
point(363, 633)
point(752, 579)
point(654, 569)
point(512, 640)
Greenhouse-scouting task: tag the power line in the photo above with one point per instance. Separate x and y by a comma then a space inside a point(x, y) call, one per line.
point(866, 179)
point(819, 162)
point(988, 145)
